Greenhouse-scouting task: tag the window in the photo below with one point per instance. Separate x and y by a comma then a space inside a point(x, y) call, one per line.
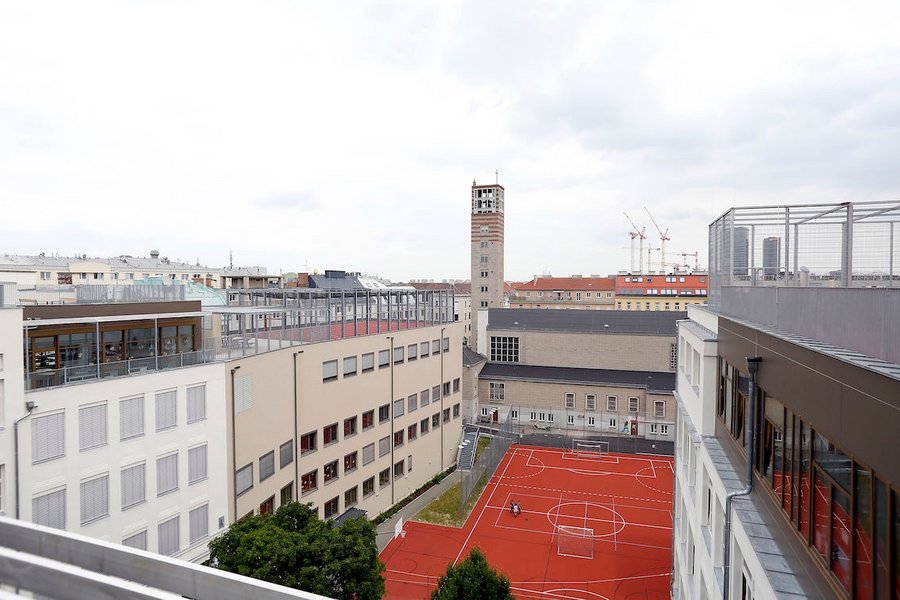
point(496, 392)
point(570, 419)
point(350, 462)
point(398, 469)
point(349, 366)
point(456, 410)
point(329, 434)
point(350, 497)
point(446, 415)
point(166, 410)
point(456, 385)
point(134, 485)
point(266, 465)
point(435, 420)
point(484, 273)
point(198, 523)
point(92, 427)
point(196, 403)
point(412, 403)
point(331, 507)
point(94, 499)
point(368, 419)
point(287, 494)
point(398, 355)
point(412, 431)
point(436, 393)
point(398, 438)
point(330, 471)
point(384, 358)
point(483, 259)
point(504, 349)
point(590, 402)
point(137, 541)
point(570, 400)
point(166, 474)
point(368, 453)
point(285, 454)
point(349, 426)
point(368, 487)
point(48, 437)
point(612, 423)
point(423, 426)
point(435, 346)
point(168, 532)
point(384, 445)
point(659, 409)
point(49, 510)
point(633, 404)
point(412, 352)
point(409, 464)
point(309, 482)
point(197, 465)
point(243, 479)
point(612, 403)
point(591, 422)
point(384, 413)
point(307, 443)
point(384, 478)
point(398, 408)
point(423, 349)
point(329, 370)
point(368, 362)
point(424, 398)
point(446, 344)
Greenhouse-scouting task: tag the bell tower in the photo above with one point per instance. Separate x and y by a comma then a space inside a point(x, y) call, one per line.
point(487, 256)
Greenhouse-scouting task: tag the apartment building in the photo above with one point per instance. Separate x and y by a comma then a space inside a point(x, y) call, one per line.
point(788, 393)
point(119, 424)
point(575, 292)
point(580, 373)
point(673, 291)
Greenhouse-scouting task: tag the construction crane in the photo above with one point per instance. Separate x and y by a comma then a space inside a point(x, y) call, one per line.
point(637, 233)
point(695, 254)
point(663, 237)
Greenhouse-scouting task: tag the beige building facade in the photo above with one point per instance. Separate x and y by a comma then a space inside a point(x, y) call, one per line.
point(568, 293)
point(353, 423)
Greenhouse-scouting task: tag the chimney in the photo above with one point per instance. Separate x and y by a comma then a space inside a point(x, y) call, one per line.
point(535, 279)
point(154, 254)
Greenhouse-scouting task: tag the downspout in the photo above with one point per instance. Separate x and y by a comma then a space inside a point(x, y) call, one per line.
point(30, 406)
point(296, 456)
point(441, 388)
point(391, 409)
point(752, 367)
point(234, 445)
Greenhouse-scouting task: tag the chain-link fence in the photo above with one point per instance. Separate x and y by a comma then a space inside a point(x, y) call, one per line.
point(486, 462)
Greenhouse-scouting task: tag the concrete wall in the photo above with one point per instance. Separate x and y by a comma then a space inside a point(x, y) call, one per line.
point(68, 471)
point(12, 401)
point(270, 421)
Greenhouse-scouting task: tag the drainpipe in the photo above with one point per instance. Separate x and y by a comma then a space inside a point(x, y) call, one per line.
point(234, 444)
point(29, 406)
point(753, 367)
point(391, 409)
point(441, 388)
point(296, 456)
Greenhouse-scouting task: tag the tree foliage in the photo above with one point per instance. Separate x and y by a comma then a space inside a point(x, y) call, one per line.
point(292, 547)
point(472, 579)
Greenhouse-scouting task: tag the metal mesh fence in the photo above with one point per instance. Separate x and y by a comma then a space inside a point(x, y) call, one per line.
point(486, 463)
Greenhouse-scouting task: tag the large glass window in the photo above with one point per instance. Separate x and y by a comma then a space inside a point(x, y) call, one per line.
point(504, 349)
point(140, 342)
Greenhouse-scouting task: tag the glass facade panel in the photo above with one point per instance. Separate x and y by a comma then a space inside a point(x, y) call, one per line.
point(841, 537)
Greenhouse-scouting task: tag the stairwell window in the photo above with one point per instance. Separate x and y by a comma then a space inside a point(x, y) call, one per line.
point(570, 400)
point(496, 392)
point(504, 349)
point(590, 402)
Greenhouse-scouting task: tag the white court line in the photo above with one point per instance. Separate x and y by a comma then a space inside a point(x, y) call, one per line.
point(615, 544)
point(622, 457)
point(483, 508)
point(653, 468)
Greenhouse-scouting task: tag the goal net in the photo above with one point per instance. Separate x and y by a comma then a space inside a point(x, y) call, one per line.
point(575, 541)
point(591, 447)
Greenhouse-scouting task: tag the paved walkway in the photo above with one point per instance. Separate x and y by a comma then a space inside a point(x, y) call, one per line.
point(385, 531)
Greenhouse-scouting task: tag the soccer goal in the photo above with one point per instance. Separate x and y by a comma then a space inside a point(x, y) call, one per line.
point(592, 447)
point(577, 542)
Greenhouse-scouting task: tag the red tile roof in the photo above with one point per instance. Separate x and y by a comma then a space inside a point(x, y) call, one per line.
point(569, 283)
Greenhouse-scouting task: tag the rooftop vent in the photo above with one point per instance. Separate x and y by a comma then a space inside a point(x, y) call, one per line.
point(154, 254)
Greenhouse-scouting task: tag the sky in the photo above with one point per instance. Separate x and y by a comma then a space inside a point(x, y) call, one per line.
point(321, 135)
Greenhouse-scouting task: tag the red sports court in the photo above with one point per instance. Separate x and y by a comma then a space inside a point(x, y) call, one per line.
point(593, 526)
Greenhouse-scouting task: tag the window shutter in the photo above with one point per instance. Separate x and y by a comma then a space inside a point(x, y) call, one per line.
point(199, 523)
point(168, 537)
point(138, 541)
point(48, 437)
point(91, 426)
point(166, 474)
point(196, 403)
point(166, 409)
point(134, 486)
point(197, 464)
point(50, 509)
point(131, 417)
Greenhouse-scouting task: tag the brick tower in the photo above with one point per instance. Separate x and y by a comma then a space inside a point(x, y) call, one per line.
point(487, 256)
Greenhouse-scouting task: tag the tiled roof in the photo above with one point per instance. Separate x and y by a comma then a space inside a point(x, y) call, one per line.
point(662, 322)
point(568, 283)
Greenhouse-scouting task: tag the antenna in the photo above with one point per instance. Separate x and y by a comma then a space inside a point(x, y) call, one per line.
point(664, 237)
point(230, 259)
point(497, 174)
point(637, 233)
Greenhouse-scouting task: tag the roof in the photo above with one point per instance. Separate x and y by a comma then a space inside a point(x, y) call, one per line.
point(338, 282)
point(470, 357)
point(634, 322)
point(568, 283)
point(351, 513)
point(652, 380)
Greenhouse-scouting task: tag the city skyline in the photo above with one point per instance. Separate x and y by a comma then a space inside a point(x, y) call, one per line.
point(304, 137)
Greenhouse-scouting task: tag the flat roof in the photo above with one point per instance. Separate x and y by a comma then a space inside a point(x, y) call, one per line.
point(660, 322)
point(654, 381)
point(108, 319)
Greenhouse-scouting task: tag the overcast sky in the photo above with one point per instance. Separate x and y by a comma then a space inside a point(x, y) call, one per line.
point(346, 135)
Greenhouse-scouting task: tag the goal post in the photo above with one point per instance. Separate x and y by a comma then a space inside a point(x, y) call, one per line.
point(577, 542)
point(590, 447)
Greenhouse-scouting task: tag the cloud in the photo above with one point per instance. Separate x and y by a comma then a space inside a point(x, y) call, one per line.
point(301, 200)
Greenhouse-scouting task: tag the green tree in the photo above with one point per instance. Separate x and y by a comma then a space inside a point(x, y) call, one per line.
point(294, 548)
point(472, 579)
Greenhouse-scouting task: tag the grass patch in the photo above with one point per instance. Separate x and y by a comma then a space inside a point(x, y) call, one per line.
point(483, 442)
point(445, 509)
